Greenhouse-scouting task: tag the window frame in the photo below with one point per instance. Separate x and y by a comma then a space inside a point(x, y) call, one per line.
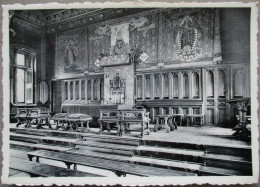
point(29, 68)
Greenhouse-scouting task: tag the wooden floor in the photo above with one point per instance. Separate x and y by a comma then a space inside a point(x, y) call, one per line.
point(184, 151)
point(205, 135)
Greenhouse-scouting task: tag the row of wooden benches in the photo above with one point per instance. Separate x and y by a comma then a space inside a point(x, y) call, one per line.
point(118, 167)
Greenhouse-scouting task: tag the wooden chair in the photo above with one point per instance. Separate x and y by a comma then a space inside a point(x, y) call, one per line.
point(21, 116)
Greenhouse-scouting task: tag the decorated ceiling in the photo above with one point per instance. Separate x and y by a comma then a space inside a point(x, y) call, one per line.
point(58, 20)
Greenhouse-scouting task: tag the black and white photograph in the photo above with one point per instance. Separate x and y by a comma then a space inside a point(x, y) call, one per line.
point(151, 94)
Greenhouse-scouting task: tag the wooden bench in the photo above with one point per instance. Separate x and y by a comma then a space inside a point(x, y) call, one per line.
point(32, 116)
point(21, 116)
point(43, 170)
point(190, 119)
point(136, 116)
point(109, 119)
point(119, 168)
point(78, 118)
point(60, 118)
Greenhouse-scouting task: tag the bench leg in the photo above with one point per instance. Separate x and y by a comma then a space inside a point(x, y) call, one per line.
point(48, 123)
point(100, 127)
point(82, 127)
point(57, 125)
point(30, 157)
point(33, 175)
point(75, 167)
point(88, 126)
point(68, 164)
point(120, 174)
point(37, 159)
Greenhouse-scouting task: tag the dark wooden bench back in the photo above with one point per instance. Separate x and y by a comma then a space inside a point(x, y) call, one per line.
point(135, 115)
point(109, 114)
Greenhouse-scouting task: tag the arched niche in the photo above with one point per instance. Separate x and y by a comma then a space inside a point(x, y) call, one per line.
point(71, 91)
point(77, 90)
point(221, 83)
point(66, 91)
point(139, 86)
point(44, 92)
point(83, 89)
point(102, 89)
point(238, 83)
point(95, 89)
point(148, 86)
point(195, 85)
point(175, 85)
point(89, 90)
point(157, 86)
point(185, 82)
point(210, 84)
point(165, 86)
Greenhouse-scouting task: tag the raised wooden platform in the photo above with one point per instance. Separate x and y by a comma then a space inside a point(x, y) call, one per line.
point(160, 152)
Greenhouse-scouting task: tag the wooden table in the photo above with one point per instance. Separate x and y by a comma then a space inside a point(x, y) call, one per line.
point(190, 118)
point(164, 125)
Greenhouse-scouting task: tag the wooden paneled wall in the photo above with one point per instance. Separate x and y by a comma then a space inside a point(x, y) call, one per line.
point(193, 91)
point(88, 90)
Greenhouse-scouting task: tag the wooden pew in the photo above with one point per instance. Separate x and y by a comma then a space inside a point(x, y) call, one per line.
point(43, 170)
point(109, 119)
point(35, 114)
point(21, 116)
point(136, 116)
point(119, 168)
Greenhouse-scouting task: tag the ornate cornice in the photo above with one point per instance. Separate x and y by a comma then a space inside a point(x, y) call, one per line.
point(67, 14)
point(72, 18)
point(30, 17)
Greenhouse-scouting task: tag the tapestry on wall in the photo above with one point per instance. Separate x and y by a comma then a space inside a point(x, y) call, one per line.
point(71, 58)
point(115, 40)
point(190, 35)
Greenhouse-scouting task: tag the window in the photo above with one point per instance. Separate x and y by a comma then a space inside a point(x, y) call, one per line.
point(24, 68)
